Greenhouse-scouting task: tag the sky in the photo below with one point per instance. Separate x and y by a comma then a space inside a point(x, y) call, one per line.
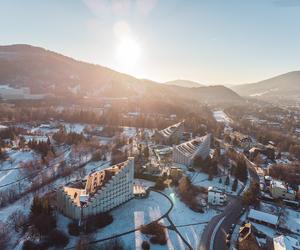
point(209, 41)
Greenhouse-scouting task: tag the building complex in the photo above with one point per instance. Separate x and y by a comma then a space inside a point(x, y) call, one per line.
point(187, 151)
point(100, 192)
point(170, 135)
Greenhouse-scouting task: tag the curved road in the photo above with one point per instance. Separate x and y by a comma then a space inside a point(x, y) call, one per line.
point(218, 227)
point(135, 229)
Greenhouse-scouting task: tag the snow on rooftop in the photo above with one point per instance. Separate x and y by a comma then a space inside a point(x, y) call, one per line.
point(278, 184)
point(283, 242)
point(263, 217)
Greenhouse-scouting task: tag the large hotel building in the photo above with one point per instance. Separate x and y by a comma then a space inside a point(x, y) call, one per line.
point(170, 135)
point(186, 152)
point(101, 192)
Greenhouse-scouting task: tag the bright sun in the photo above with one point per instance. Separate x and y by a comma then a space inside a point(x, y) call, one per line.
point(128, 52)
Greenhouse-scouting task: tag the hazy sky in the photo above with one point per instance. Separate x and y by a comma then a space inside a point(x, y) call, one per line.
point(210, 41)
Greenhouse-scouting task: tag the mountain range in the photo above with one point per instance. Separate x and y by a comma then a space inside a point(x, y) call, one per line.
point(285, 86)
point(185, 83)
point(47, 72)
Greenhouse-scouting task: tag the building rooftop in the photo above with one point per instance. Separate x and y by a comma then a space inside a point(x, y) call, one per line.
point(83, 191)
point(167, 132)
point(189, 148)
point(263, 217)
point(283, 242)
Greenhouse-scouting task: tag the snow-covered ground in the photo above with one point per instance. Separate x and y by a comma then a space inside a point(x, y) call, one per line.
point(189, 223)
point(137, 212)
point(37, 138)
point(129, 131)
point(16, 158)
point(74, 127)
point(290, 219)
point(201, 179)
point(43, 130)
point(221, 117)
point(131, 215)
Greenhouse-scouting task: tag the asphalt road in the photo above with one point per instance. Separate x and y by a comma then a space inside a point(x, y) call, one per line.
point(232, 214)
point(228, 217)
point(218, 227)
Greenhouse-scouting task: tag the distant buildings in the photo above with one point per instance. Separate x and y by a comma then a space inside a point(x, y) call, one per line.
point(170, 135)
point(281, 190)
point(216, 196)
point(10, 93)
point(101, 192)
point(187, 151)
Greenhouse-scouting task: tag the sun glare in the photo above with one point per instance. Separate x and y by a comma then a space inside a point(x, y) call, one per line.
point(128, 52)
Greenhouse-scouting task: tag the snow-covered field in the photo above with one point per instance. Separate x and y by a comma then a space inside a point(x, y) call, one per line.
point(201, 179)
point(131, 216)
point(16, 158)
point(74, 127)
point(221, 117)
point(129, 131)
point(137, 212)
point(189, 223)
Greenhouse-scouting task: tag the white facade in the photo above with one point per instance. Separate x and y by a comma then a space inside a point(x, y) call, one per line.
point(169, 135)
point(187, 151)
point(216, 197)
point(104, 190)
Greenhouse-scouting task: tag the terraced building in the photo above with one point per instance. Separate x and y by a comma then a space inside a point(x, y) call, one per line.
point(186, 152)
point(170, 135)
point(100, 192)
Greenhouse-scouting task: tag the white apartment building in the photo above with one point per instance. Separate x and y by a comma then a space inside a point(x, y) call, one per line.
point(170, 135)
point(216, 196)
point(187, 151)
point(101, 192)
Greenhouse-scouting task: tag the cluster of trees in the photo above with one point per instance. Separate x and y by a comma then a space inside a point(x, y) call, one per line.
point(287, 172)
point(201, 121)
point(68, 138)
point(209, 165)
point(240, 170)
point(2, 154)
point(41, 146)
point(11, 133)
point(250, 197)
point(118, 156)
point(227, 183)
point(4, 238)
point(188, 193)
point(9, 195)
point(160, 182)
point(157, 232)
point(98, 221)
point(110, 131)
point(42, 223)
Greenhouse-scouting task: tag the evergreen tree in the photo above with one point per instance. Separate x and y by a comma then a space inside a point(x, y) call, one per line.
point(234, 185)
